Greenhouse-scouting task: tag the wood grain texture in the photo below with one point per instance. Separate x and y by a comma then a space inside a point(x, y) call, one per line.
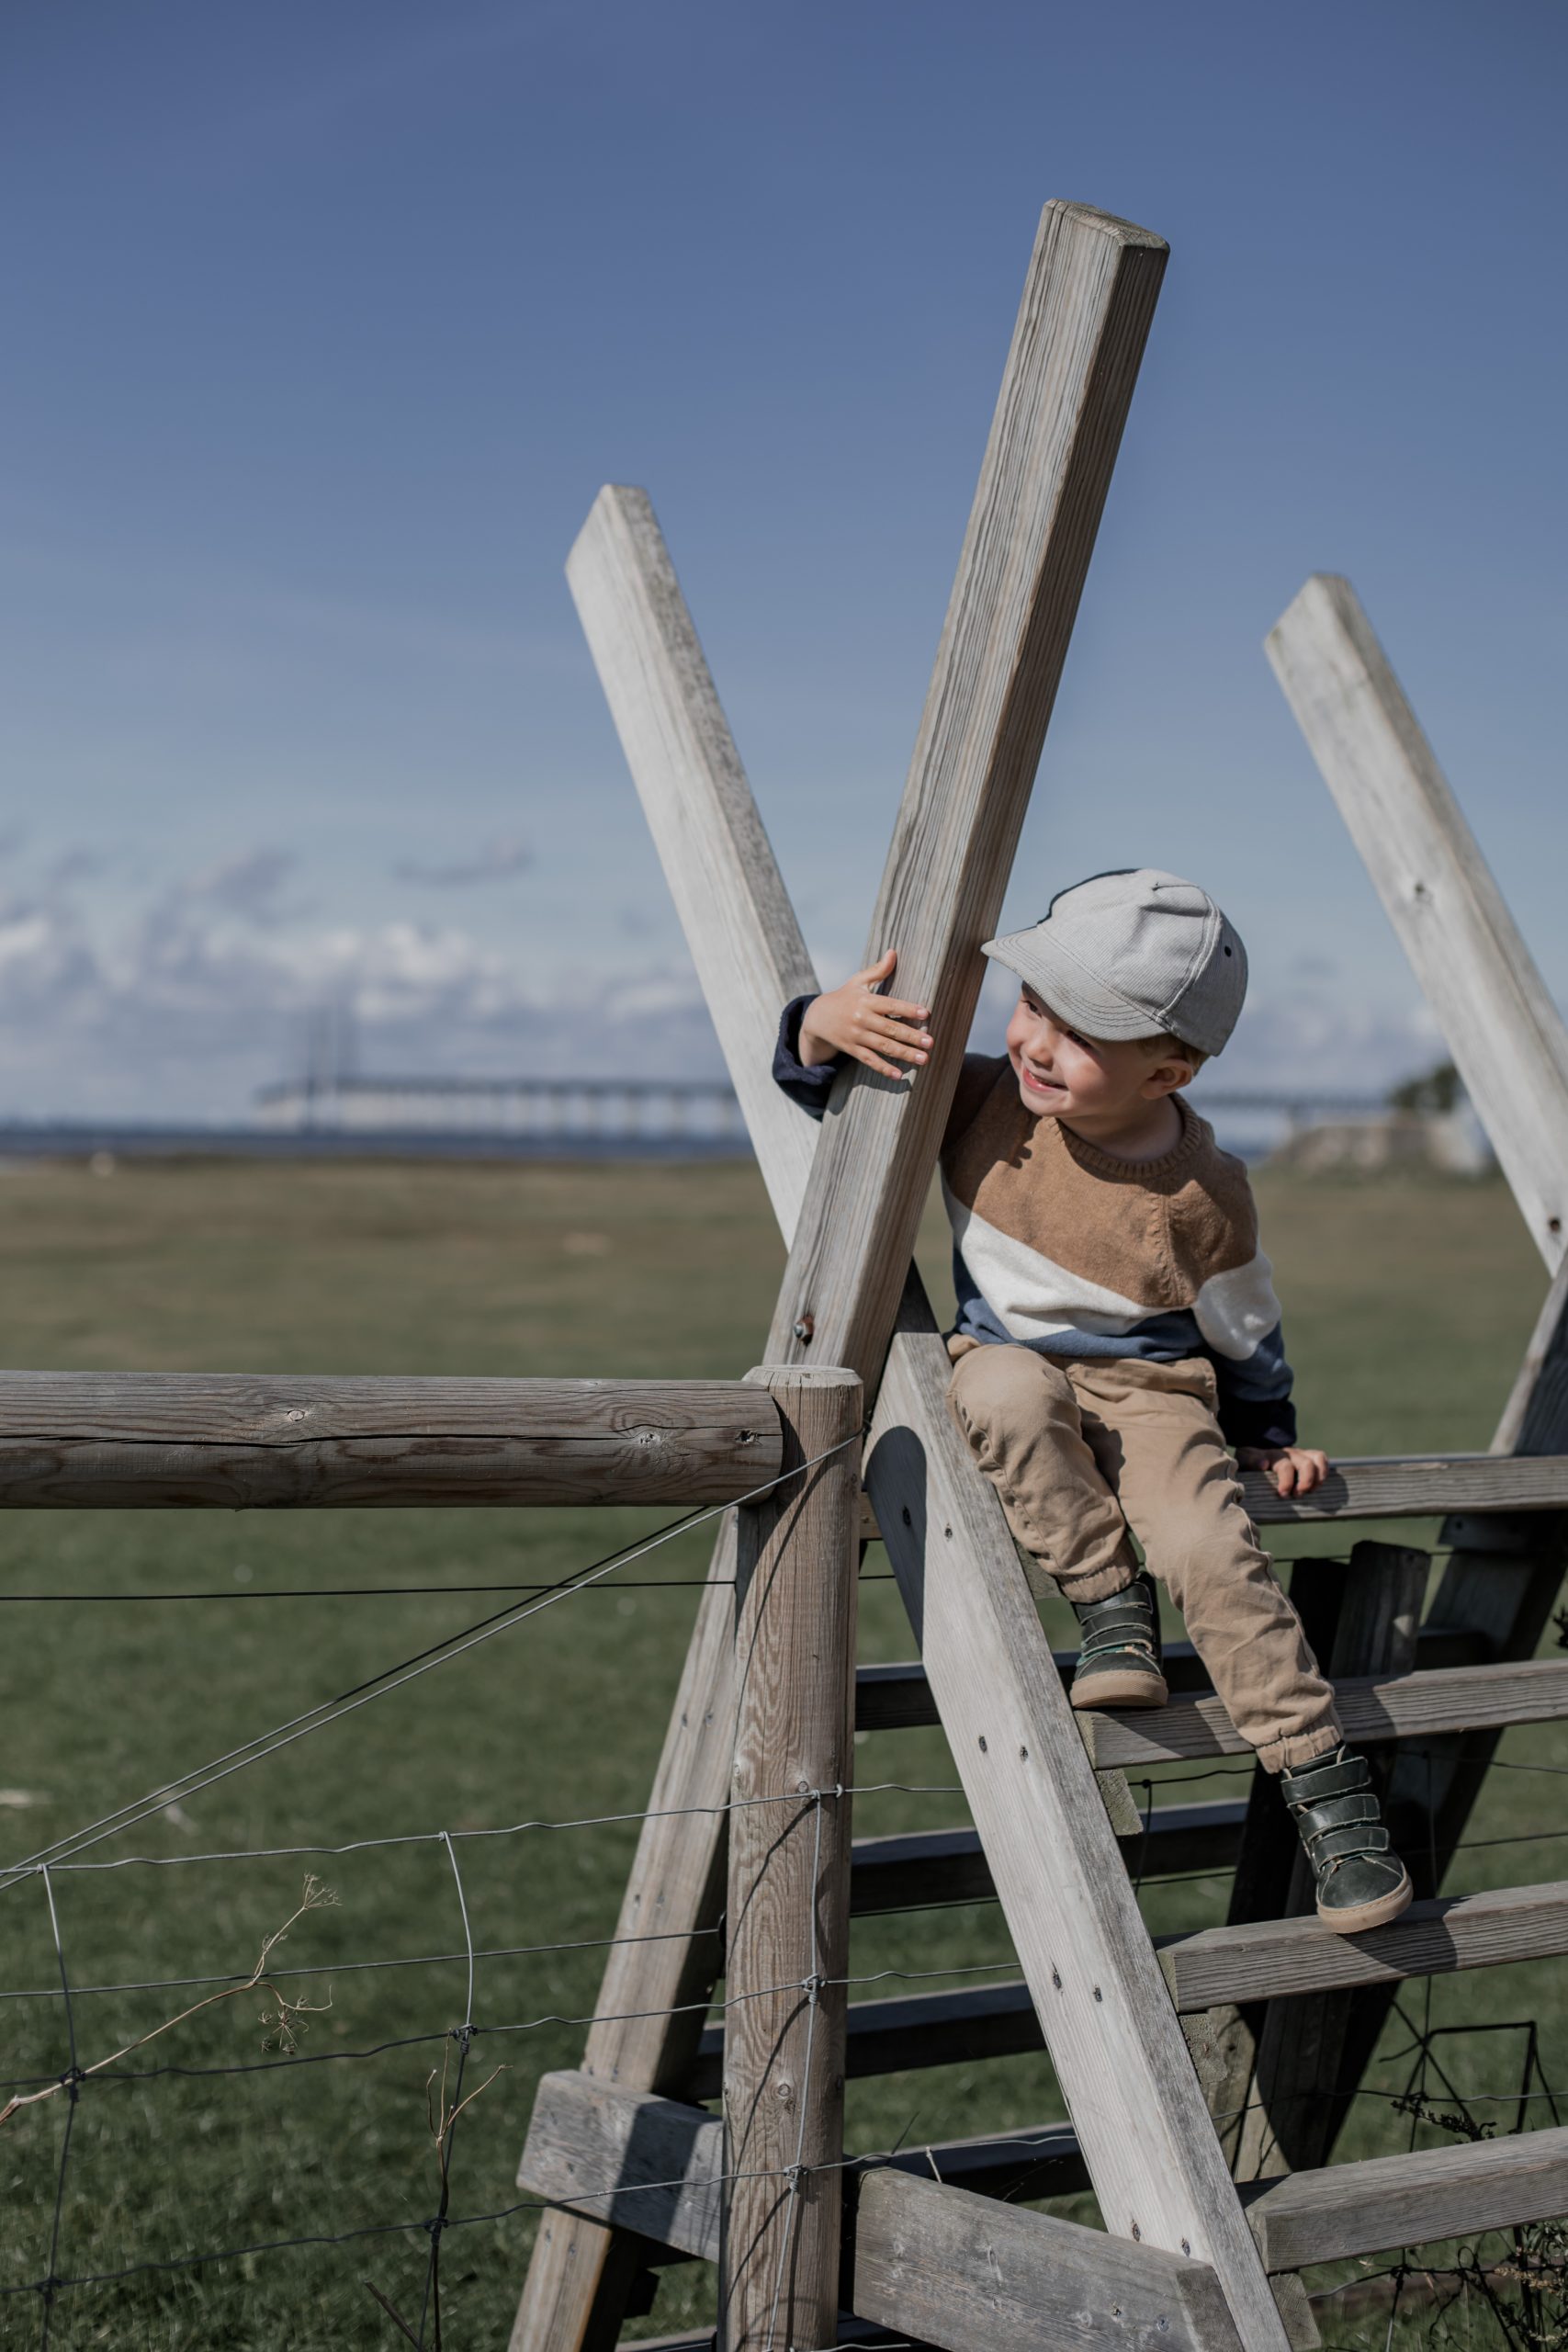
point(1502, 1029)
point(1277, 1957)
point(1411, 1707)
point(717, 861)
point(1417, 1487)
point(945, 2266)
point(239, 1442)
point(1386, 2201)
point(1087, 303)
point(1114, 2038)
point(661, 1969)
point(788, 1908)
point(656, 2162)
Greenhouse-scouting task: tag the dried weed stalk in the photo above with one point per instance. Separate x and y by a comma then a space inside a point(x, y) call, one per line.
point(282, 2020)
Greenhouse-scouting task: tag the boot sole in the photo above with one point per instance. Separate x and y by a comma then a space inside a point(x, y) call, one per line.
point(1362, 1915)
point(1113, 1689)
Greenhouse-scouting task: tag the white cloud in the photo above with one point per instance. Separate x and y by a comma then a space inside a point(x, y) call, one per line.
point(495, 861)
point(210, 990)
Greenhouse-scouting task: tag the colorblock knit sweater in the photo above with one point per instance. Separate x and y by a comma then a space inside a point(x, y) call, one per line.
point(1060, 1247)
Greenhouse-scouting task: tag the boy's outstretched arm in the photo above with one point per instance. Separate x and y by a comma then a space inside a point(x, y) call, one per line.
point(883, 1032)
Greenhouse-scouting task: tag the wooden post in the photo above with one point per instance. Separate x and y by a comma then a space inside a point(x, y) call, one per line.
point(1504, 1031)
point(789, 1878)
point(1087, 307)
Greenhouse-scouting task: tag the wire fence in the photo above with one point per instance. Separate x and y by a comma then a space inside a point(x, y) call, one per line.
point(459, 2043)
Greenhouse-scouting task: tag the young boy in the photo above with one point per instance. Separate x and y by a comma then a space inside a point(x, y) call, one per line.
point(1117, 1326)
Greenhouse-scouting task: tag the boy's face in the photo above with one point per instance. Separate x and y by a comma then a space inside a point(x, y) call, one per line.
point(1063, 1074)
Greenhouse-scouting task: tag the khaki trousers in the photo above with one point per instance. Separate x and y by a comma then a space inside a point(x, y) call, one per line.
point(1086, 1454)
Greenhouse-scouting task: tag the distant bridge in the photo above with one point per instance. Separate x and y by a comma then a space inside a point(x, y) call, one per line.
point(558, 1109)
point(607, 1110)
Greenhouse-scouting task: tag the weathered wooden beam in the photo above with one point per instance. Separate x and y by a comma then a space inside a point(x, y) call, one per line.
point(1419, 1486)
point(956, 2269)
point(747, 946)
point(657, 2164)
point(1113, 2039)
point(1274, 1958)
point(239, 1442)
point(1475, 971)
point(1412, 1706)
point(797, 1563)
point(656, 2167)
point(911, 1869)
point(898, 1697)
point(1349, 2209)
point(1088, 305)
point(739, 925)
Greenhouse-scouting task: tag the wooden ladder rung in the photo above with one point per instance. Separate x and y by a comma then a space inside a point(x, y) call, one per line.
point(1409, 1706)
point(665, 2158)
point(1275, 1957)
point(910, 2030)
point(1416, 1486)
point(912, 1870)
point(897, 1697)
point(1384, 2201)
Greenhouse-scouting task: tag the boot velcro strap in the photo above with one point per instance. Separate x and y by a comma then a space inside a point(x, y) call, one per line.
point(1110, 1637)
point(1316, 1781)
point(1341, 1843)
point(1340, 1813)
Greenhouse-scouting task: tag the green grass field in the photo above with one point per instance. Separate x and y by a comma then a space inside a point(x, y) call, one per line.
point(1407, 1308)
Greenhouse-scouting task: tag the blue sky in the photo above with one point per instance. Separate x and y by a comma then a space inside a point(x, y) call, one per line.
point(326, 324)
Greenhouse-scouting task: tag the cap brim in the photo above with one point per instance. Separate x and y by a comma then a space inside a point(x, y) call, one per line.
point(1074, 995)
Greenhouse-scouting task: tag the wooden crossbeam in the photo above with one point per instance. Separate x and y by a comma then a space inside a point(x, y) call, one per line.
point(244, 1441)
point(1048, 2280)
point(898, 1697)
point(1411, 1706)
point(1087, 307)
point(1273, 1958)
point(1383, 2201)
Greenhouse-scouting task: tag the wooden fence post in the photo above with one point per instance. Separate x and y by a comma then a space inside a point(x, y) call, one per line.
point(789, 1878)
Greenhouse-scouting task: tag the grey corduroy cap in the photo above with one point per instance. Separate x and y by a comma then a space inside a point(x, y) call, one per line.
point(1135, 953)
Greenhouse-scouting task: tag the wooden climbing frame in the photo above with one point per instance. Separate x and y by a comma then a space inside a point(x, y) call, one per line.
point(1191, 2073)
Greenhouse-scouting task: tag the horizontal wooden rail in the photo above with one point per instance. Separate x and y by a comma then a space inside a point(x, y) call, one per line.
point(654, 2165)
point(899, 1697)
point(1270, 1958)
point(243, 1442)
point(1409, 1706)
point(1415, 1486)
point(1432, 2193)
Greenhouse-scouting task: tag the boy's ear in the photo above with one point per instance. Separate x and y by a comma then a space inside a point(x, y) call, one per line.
point(1168, 1075)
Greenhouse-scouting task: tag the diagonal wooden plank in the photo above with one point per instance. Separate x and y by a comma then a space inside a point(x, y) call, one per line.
point(1087, 307)
point(1509, 1044)
point(739, 925)
point(1157, 2168)
point(1504, 1031)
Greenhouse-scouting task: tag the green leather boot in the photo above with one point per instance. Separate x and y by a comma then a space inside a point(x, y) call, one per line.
point(1360, 1882)
point(1119, 1664)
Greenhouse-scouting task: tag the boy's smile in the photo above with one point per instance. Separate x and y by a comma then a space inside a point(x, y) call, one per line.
point(1113, 1093)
